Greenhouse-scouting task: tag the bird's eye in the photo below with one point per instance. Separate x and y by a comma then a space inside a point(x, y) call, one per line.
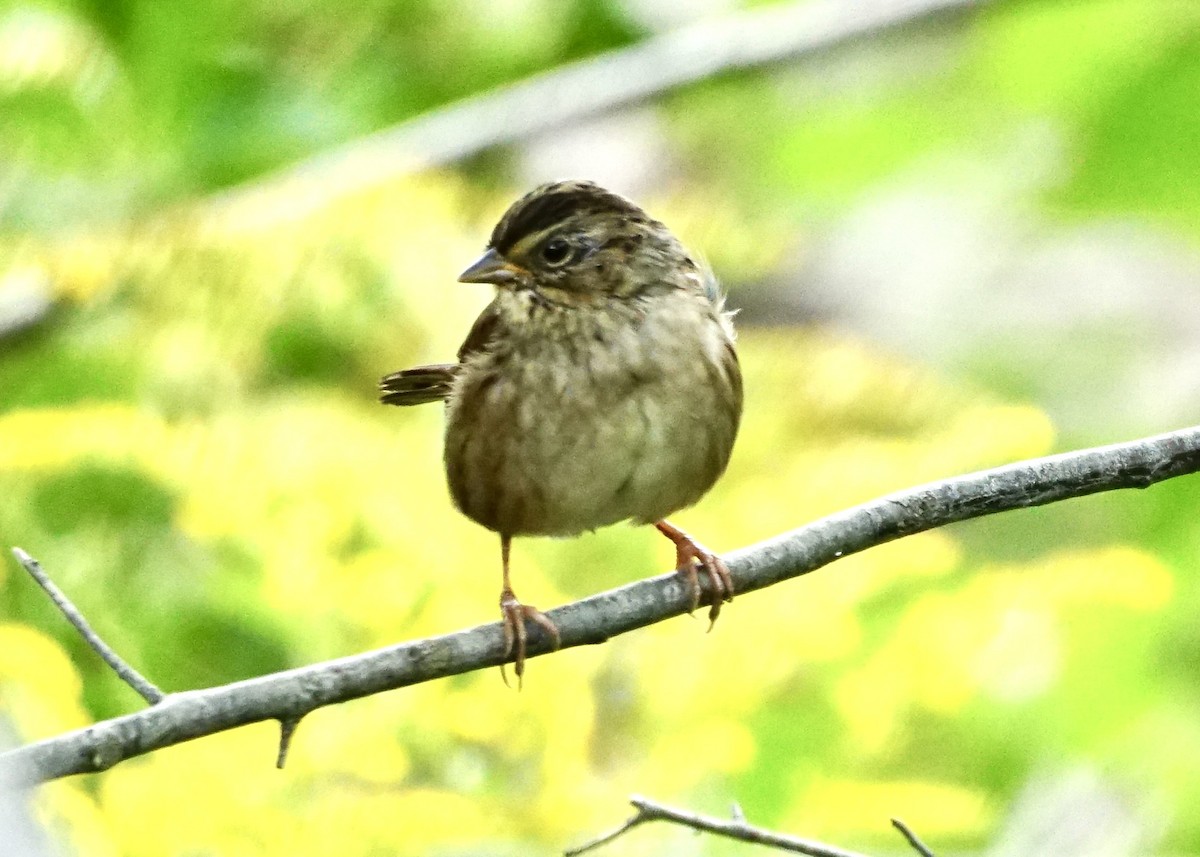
point(556, 251)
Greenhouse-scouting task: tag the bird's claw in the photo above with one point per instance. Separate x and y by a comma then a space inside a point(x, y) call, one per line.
point(691, 558)
point(513, 616)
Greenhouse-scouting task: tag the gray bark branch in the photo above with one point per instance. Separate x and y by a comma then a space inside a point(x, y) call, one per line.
point(289, 696)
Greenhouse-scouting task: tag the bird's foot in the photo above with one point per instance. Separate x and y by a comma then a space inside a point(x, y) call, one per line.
point(513, 615)
point(690, 558)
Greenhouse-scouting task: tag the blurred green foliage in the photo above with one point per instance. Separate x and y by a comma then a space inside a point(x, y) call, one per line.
point(190, 444)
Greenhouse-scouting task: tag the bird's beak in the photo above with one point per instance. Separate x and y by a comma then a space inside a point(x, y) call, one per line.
point(492, 268)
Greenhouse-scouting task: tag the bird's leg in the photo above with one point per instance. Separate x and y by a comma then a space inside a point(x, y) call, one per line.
point(690, 557)
point(514, 614)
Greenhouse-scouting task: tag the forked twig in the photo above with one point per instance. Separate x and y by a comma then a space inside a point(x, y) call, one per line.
point(734, 828)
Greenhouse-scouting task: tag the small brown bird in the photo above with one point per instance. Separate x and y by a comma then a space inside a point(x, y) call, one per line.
point(600, 385)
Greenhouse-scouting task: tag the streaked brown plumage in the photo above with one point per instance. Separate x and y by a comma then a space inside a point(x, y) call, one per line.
point(600, 385)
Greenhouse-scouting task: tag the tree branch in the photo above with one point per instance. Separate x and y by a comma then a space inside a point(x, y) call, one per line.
point(292, 694)
point(569, 93)
point(735, 828)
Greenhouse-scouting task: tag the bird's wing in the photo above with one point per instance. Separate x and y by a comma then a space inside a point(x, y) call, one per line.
point(433, 383)
point(482, 332)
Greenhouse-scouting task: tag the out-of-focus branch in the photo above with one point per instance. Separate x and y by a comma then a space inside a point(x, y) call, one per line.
point(145, 689)
point(519, 111)
point(289, 696)
point(734, 828)
point(913, 840)
point(25, 301)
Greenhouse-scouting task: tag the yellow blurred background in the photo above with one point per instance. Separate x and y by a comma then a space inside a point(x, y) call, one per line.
point(957, 244)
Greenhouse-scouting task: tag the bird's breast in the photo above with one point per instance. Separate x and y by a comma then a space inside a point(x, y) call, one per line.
point(603, 416)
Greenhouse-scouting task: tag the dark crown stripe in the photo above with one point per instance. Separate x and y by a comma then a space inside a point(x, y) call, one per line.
point(551, 204)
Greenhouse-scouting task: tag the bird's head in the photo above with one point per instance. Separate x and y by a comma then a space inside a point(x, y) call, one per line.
point(575, 242)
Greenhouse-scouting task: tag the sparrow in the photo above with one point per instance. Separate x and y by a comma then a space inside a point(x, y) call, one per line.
point(600, 385)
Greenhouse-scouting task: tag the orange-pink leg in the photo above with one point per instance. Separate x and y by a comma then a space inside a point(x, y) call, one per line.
point(690, 558)
point(514, 614)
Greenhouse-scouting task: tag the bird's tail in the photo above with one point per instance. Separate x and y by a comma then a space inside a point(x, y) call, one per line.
point(418, 386)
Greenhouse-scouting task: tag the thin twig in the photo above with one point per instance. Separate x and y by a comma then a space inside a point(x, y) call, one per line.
point(569, 93)
point(184, 716)
point(913, 840)
point(736, 828)
point(604, 838)
point(124, 671)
